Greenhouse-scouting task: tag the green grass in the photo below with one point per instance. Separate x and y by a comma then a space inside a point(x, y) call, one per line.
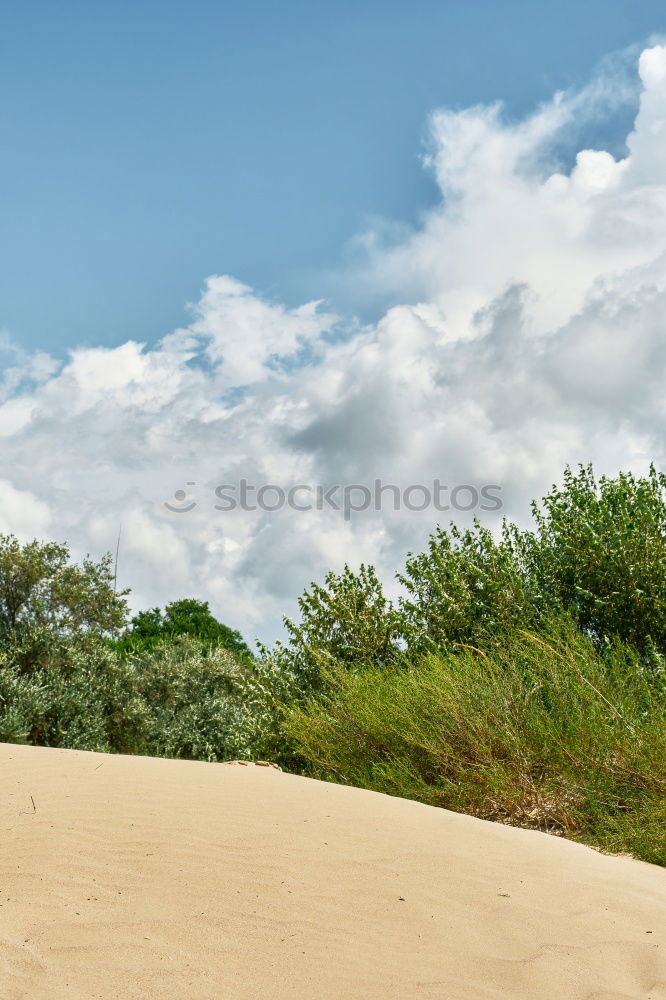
point(541, 731)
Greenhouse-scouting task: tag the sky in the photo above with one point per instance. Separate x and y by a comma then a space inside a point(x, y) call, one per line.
point(148, 145)
point(319, 245)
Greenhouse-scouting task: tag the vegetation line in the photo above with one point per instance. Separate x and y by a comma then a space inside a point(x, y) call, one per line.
point(520, 676)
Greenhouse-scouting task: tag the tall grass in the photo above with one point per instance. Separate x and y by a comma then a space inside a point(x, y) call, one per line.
point(541, 731)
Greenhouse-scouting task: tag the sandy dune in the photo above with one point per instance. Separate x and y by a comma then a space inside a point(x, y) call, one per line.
point(127, 877)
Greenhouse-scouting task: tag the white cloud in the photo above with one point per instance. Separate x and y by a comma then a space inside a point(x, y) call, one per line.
point(531, 334)
point(26, 515)
point(247, 338)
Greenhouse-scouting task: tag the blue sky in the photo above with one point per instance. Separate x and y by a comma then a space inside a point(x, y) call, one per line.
point(148, 145)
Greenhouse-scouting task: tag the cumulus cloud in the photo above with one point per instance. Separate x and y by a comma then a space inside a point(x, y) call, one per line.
point(530, 334)
point(23, 512)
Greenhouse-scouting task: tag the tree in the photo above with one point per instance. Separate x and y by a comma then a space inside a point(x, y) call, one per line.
point(185, 617)
point(599, 551)
point(45, 599)
point(465, 589)
point(346, 621)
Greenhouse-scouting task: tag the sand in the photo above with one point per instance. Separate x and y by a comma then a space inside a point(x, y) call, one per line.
point(128, 877)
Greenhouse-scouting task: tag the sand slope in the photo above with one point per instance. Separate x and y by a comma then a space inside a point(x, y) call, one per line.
point(159, 879)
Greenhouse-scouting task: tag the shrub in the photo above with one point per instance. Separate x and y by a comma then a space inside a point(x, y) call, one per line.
point(599, 550)
point(347, 621)
point(176, 700)
point(464, 589)
point(542, 731)
point(65, 701)
point(194, 703)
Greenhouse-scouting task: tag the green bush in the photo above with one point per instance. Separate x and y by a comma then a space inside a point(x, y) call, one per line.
point(178, 683)
point(346, 621)
point(541, 730)
point(67, 699)
point(599, 550)
point(465, 589)
point(176, 700)
point(203, 705)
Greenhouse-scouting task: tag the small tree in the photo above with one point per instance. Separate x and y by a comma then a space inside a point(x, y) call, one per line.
point(599, 551)
point(464, 589)
point(45, 599)
point(347, 621)
point(186, 617)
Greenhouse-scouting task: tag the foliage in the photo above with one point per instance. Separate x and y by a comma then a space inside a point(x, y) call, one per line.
point(173, 701)
point(65, 700)
point(466, 588)
point(185, 617)
point(45, 598)
point(541, 731)
point(520, 677)
point(348, 621)
point(599, 550)
point(199, 705)
point(184, 684)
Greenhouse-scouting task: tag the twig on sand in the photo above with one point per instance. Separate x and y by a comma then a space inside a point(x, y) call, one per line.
point(26, 812)
point(257, 763)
